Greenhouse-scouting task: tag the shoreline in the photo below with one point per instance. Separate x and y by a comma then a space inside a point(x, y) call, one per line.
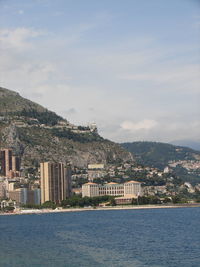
point(139, 207)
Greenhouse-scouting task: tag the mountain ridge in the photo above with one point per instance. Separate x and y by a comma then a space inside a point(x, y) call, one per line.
point(187, 143)
point(183, 161)
point(38, 134)
point(149, 149)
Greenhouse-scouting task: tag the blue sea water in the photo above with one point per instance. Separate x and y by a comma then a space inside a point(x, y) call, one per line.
point(156, 237)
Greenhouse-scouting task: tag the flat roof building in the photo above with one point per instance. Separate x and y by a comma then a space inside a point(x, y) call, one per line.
point(128, 189)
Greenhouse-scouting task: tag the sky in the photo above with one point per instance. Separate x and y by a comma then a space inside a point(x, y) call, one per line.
point(130, 66)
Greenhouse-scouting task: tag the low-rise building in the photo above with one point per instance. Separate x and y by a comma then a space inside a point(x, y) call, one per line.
point(123, 200)
point(26, 196)
point(130, 189)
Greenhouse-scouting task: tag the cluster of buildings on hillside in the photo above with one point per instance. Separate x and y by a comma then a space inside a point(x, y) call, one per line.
point(23, 122)
point(54, 184)
point(189, 165)
point(56, 180)
point(100, 171)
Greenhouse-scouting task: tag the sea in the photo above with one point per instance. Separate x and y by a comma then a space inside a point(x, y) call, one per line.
point(168, 237)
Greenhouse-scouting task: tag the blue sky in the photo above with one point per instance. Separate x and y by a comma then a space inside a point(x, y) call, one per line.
point(130, 66)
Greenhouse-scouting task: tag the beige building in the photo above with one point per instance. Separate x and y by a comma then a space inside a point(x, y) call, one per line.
point(128, 189)
point(55, 181)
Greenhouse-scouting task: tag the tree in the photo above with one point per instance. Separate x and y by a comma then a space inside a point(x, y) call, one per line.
point(49, 205)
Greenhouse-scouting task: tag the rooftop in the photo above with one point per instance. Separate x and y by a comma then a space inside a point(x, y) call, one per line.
point(90, 183)
point(132, 182)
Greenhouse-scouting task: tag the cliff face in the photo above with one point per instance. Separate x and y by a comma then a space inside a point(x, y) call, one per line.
point(40, 135)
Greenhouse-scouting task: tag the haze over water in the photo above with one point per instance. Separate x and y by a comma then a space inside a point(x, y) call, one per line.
point(157, 237)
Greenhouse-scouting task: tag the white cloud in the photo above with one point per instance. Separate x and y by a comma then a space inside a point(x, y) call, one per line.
point(17, 38)
point(141, 125)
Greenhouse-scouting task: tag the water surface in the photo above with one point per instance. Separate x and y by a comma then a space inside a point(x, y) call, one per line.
point(157, 237)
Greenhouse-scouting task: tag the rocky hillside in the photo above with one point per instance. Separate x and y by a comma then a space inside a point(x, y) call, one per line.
point(38, 134)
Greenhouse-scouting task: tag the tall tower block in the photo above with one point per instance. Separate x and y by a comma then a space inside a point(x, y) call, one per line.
point(55, 181)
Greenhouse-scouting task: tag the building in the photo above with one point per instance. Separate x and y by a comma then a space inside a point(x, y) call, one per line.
point(55, 181)
point(77, 191)
point(96, 166)
point(23, 196)
point(123, 200)
point(6, 161)
point(15, 164)
point(10, 165)
point(18, 195)
point(94, 174)
point(37, 196)
point(3, 188)
point(95, 171)
point(130, 189)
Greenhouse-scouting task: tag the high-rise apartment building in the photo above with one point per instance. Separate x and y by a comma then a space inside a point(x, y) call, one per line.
point(6, 161)
point(15, 164)
point(55, 181)
point(10, 165)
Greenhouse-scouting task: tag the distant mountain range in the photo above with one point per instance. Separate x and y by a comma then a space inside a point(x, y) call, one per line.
point(187, 143)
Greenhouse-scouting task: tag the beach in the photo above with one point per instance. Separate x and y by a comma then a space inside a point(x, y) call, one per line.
point(125, 207)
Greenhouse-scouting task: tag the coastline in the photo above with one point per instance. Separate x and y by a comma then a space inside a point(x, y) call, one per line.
point(139, 207)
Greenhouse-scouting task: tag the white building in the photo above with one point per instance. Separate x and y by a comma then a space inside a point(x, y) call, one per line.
point(131, 189)
point(90, 190)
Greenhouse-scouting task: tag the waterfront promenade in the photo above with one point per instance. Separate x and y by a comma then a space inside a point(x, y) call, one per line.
point(125, 207)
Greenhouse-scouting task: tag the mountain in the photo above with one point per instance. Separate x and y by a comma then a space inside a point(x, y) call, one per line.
point(158, 155)
point(184, 162)
point(37, 134)
point(187, 143)
point(12, 102)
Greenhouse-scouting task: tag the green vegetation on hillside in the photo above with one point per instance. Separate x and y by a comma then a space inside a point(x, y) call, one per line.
point(77, 137)
point(159, 154)
point(47, 117)
point(11, 101)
